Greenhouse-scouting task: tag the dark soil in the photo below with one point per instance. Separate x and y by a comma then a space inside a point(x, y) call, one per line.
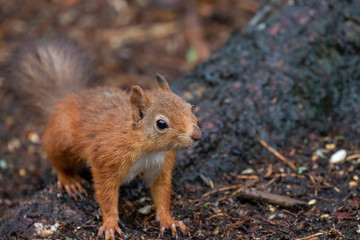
point(289, 79)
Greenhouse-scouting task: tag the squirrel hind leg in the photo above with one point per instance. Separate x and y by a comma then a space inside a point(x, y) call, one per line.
point(72, 184)
point(67, 167)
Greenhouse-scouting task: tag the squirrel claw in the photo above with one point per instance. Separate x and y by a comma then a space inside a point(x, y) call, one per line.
point(72, 187)
point(109, 232)
point(173, 230)
point(161, 233)
point(173, 227)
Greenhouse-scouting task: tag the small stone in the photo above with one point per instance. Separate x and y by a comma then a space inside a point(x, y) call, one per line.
point(314, 158)
point(330, 146)
point(45, 230)
point(38, 227)
point(338, 157)
point(358, 230)
point(22, 172)
point(356, 178)
point(352, 184)
point(315, 166)
point(3, 164)
point(216, 231)
point(321, 152)
point(14, 145)
point(312, 202)
point(145, 210)
point(142, 200)
point(227, 100)
point(324, 216)
point(272, 216)
point(34, 137)
point(261, 26)
point(247, 171)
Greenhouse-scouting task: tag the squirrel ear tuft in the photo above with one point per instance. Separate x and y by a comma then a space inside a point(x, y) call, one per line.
point(139, 101)
point(162, 83)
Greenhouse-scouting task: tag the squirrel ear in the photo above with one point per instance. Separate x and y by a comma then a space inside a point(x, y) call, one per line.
point(162, 83)
point(139, 101)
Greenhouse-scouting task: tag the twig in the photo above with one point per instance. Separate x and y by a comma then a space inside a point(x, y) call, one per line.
point(248, 184)
point(247, 177)
point(217, 215)
point(240, 222)
point(311, 236)
point(278, 155)
point(222, 189)
point(239, 186)
point(261, 196)
point(351, 157)
point(337, 230)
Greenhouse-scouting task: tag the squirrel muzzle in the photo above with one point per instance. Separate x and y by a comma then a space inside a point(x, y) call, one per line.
point(196, 133)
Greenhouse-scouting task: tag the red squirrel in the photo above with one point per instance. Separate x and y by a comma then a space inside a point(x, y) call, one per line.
point(120, 135)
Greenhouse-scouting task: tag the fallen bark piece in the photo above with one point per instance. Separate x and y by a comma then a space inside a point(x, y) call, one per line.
point(282, 201)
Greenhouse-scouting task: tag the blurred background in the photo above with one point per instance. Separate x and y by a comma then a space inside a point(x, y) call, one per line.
point(130, 40)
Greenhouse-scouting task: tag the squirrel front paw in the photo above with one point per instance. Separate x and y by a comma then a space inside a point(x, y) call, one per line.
point(172, 224)
point(109, 230)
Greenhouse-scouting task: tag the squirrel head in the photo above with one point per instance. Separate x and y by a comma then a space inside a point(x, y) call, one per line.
point(168, 122)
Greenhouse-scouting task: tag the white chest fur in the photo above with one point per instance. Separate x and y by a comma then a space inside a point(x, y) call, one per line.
point(148, 166)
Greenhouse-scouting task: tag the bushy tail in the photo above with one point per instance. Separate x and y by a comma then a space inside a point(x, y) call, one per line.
point(41, 73)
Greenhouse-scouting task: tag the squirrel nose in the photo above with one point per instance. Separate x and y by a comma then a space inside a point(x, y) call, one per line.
point(196, 134)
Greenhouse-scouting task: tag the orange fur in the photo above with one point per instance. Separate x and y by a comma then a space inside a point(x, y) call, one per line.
point(118, 135)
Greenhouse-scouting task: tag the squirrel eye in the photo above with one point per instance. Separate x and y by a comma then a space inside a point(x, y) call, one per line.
point(161, 124)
